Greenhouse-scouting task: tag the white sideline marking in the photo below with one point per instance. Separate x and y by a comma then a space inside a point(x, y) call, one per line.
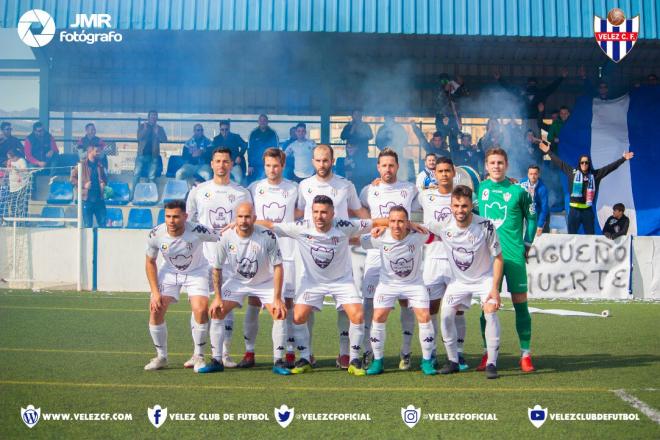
point(640, 406)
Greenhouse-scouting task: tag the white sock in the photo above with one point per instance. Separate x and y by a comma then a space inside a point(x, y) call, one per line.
point(310, 330)
point(426, 339)
point(448, 324)
point(344, 336)
point(460, 331)
point(301, 334)
point(229, 331)
point(434, 321)
point(200, 334)
point(378, 334)
point(217, 334)
point(368, 308)
point(159, 337)
point(355, 336)
point(492, 337)
point(251, 327)
point(407, 328)
point(279, 339)
point(290, 347)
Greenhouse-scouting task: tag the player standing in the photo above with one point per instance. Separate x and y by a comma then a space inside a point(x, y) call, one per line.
point(213, 204)
point(508, 206)
point(180, 244)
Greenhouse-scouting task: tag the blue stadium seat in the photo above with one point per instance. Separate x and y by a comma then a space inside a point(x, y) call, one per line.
point(64, 164)
point(175, 190)
point(114, 218)
point(161, 217)
point(121, 194)
point(173, 164)
point(140, 218)
point(146, 194)
point(52, 212)
point(60, 193)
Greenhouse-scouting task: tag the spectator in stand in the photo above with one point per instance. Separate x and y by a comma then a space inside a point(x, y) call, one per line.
point(436, 145)
point(150, 135)
point(539, 193)
point(469, 154)
point(302, 152)
point(601, 92)
point(292, 138)
point(18, 176)
point(392, 135)
point(40, 148)
point(357, 135)
point(617, 224)
point(8, 142)
point(449, 130)
point(234, 143)
point(555, 128)
point(261, 138)
point(94, 181)
point(90, 139)
point(583, 185)
point(446, 95)
point(426, 177)
point(195, 153)
point(492, 137)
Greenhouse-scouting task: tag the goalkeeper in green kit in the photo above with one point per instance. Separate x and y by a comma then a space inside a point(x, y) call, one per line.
point(508, 205)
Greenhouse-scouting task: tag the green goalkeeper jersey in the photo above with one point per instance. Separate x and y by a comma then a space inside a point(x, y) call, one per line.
point(508, 205)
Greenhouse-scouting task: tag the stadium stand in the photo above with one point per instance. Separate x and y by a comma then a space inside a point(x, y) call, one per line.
point(60, 193)
point(175, 190)
point(173, 164)
point(114, 218)
point(146, 194)
point(120, 193)
point(140, 218)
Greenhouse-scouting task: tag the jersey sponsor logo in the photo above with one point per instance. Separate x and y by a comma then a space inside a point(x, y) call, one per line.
point(322, 256)
point(247, 268)
point(207, 195)
point(152, 233)
point(507, 197)
point(402, 267)
point(385, 209)
point(269, 233)
point(463, 258)
point(231, 198)
point(404, 194)
point(201, 229)
point(485, 194)
point(261, 191)
point(333, 193)
point(443, 214)
point(273, 212)
point(343, 224)
point(220, 217)
point(181, 261)
point(496, 213)
point(164, 246)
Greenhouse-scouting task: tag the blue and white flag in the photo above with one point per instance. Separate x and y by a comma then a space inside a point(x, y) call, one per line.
point(604, 130)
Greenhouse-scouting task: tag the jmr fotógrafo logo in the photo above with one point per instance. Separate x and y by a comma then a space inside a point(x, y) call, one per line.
point(36, 28)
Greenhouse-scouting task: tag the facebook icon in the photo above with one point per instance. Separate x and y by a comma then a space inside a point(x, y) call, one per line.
point(157, 415)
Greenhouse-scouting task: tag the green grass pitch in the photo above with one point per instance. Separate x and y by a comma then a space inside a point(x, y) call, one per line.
point(84, 353)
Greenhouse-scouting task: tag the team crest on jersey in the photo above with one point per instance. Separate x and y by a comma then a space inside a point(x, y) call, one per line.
point(181, 262)
point(232, 248)
point(442, 215)
point(322, 256)
point(463, 258)
point(385, 209)
point(285, 194)
point(496, 213)
point(402, 266)
point(247, 268)
point(261, 191)
point(507, 197)
point(376, 193)
point(484, 194)
point(273, 212)
point(220, 217)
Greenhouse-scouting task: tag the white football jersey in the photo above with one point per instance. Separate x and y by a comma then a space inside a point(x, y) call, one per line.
point(341, 191)
point(326, 255)
point(436, 208)
point(470, 250)
point(380, 199)
point(214, 206)
point(248, 260)
point(401, 260)
point(182, 254)
point(276, 203)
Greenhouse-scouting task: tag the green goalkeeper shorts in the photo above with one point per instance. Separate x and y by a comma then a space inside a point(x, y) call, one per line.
point(515, 273)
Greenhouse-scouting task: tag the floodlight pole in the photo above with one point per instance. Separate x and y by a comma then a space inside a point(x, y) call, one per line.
point(80, 229)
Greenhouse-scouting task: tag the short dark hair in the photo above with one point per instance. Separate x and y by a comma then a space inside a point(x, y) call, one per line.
point(399, 208)
point(89, 124)
point(275, 153)
point(619, 207)
point(332, 152)
point(301, 125)
point(264, 115)
point(444, 159)
point(323, 200)
point(37, 125)
point(222, 150)
point(563, 107)
point(176, 204)
point(152, 112)
point(437, 134)
point(461, 191)
point(388, 152)
point(4, 125)
point(534, 167)
point(429, 155)
point(224, 122)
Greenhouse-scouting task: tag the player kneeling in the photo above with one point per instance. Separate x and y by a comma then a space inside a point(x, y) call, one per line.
point(477, 266)
point(253, 261)
point(400, 277)
point(184, 265)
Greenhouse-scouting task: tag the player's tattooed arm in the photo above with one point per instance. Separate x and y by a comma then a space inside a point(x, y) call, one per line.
point(216, 306)
point(152, 276)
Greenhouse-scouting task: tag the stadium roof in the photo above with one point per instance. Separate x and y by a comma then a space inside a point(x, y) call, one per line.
point(524, 18)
